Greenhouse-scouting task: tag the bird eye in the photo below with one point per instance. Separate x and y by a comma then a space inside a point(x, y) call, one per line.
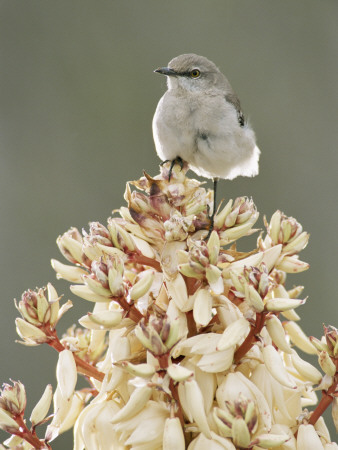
point(195, 73)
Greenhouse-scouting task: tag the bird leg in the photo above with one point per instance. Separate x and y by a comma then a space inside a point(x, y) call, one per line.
point(178, 160)
point(211, 227)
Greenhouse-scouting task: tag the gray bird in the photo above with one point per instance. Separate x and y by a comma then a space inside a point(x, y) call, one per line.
point(199, 120)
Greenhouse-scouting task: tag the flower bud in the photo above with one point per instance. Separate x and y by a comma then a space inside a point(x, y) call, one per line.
point(299, 338)
point(121, 238)
point(270, 440)
point(135, 404)
point(276, 367)
point(202, 311)
point(173, 436)
point(240, 433)
point(327, 364)
point(70, 245)
point(30, 333)
point(7, 423)
point(66, 374)
point(42, 407)
point(177, 227)
point(143, 285)
point(308, 439)
point(13, 398)
point(139, 370)
point(291, 264)
point(195, 404)
point(213, 247)
point(277, 333)
point(234, 334)
point(283, 304)
point(179, 373)
point(305, 369)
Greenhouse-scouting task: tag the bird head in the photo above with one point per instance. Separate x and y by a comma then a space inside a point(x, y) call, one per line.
point(192, 73)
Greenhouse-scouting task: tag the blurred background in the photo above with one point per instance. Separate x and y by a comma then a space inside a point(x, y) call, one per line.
point(77, 97)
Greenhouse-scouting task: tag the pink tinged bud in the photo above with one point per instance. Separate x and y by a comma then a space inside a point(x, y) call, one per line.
point(144, 247)
point(274, 227)
point(308, 439)
point(220, 217)
point(143, 284)
point(173, 334)
point(299, 338)
point(66, 374)
point(13, 398)
point(29, 333)
point(192, 270)
point(42, 306)
point(42, 407)
point(173, 436)
point(6, 421)
point(253, 298)
point(276, 368)
point(297, 244)
point(66, 272)
point(277, 333)
point(291, 264)
point(202, 311)
point(224, 420)
point(87, 294)
point(327, 364)
point(230, 220)
point(283, 304)
point(96, 286)
point(231, 234)
point(70, 245)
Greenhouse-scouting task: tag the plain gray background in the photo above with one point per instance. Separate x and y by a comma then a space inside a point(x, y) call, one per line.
point(77, 99)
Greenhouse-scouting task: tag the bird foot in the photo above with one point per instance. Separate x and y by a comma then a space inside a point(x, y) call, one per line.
point(178, 160)
point(211, 226)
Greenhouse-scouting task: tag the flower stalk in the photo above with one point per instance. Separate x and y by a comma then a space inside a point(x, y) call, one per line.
point(188, 342)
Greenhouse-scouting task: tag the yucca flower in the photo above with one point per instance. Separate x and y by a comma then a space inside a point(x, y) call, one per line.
point(190, 343)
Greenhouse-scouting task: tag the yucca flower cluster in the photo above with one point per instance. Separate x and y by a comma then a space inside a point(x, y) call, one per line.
point(190, 343)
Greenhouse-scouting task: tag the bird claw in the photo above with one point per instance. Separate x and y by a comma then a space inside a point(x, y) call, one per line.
point(178, 160)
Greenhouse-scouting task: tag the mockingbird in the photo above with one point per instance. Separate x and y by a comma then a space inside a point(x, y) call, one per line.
point(199, 120)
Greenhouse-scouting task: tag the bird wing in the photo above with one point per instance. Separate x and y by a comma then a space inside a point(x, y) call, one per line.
point(234, 100)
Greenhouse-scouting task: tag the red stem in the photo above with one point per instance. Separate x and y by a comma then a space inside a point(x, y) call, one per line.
point(192, 284)
point(83, 367)
point(174, 392)
point(250, 339)
point(325, 402)
point(28, 435)
point(145, 261)
point(132, 312)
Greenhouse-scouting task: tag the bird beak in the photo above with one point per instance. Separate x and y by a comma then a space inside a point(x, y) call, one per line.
point(166, 71)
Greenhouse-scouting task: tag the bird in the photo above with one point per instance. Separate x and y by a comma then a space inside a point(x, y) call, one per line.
point(199, 120)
